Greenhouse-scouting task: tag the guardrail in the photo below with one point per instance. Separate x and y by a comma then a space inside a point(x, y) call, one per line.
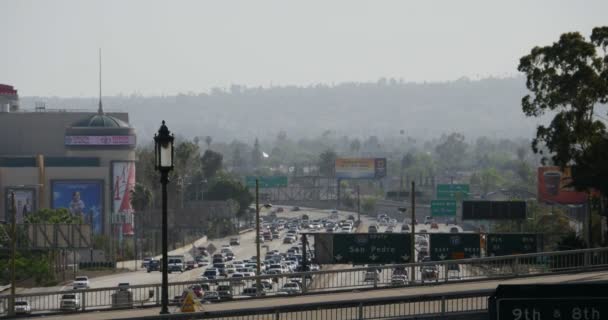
point(468, 305)
point(361, 278)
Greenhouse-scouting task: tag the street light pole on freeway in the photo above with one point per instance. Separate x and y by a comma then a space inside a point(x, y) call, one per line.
point(257, 234)
point(163, 153)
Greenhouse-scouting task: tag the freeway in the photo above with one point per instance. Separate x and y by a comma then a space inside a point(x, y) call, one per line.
point(598, 276)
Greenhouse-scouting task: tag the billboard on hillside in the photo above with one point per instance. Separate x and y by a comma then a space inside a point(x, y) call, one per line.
point(123, 182)
point(360, 168)
point(81, 197)
point(553, 187)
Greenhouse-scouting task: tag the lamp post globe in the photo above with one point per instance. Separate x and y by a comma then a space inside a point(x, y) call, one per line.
point(163, 161)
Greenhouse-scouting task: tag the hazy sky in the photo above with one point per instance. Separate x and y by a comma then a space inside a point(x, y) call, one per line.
point(166, 47)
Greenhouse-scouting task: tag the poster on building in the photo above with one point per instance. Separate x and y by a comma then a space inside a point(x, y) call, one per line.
point(123, 182)
point(360, 168)
point(82, 198)
point(25, 199)
point(553, 187)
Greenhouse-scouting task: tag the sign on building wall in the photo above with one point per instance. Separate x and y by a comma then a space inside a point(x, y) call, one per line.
point(82, 198)
point(360, 168)
point(25, 203)
point(123, 182)
point(100, 140)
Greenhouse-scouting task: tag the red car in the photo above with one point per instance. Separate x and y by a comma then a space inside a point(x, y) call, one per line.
point(434, 225)
point(280, 209)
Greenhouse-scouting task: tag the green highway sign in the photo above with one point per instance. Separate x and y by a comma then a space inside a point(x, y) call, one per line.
point(502, 244)
point(443, 208)
point(451, 246)
point(266, 181)
point(362, 248)
point(453, 191)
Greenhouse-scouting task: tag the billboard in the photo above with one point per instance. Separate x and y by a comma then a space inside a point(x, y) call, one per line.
point(493, 210)
point(553, 186)
point(25, 201)
point(123, 182)
point(80, 197)
point(360, 168)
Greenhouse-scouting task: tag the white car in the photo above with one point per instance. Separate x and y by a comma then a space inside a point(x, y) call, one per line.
point(81, 282)
point(70, 302)
point(291, 288)
point(399, 280)
point(22, 307)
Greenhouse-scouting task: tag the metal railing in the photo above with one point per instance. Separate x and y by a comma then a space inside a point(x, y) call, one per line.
point(461, 305)
point(360, 278)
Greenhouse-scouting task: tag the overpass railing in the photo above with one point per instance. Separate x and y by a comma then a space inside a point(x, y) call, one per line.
point(469, 305)
point(344, 279)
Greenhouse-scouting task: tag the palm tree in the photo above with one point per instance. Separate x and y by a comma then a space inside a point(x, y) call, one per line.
point(141, 197)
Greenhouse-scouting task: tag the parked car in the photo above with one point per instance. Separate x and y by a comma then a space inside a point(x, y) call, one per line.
point(81, 282)
point(235, 242)
point(70, 302)
point(22, 307)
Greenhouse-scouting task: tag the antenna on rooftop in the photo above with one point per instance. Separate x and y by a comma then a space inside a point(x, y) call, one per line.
point(100, 110)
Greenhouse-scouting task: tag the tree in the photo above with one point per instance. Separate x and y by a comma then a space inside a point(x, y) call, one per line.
point(225, 187)
point(141, 197)
point(327, 163)
point(570, 78)
point(208, 141)
point(451, 152)
point(355, 146)
point(211, 163)
point(256, 154)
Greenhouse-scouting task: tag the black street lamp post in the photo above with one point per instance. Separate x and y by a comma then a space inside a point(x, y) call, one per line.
point(163, 159)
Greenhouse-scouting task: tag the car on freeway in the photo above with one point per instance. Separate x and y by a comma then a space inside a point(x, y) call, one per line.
point(197, 290)
point(434, 225)
point(123, 287)
point(211, 274)
point(289, 239)
point(202, 262)
point(291, 288)
point(422, 231)
point(211, 296)
point(428, 220)
point(80, 282)
point(371, 276)
point(22, 307)
point(295, 209)
point(280, 209)
point(400, 271)
point(372, 229)
point(276, 235)
point(70, 302)
point(429, 273)
point(454, 230)
point(253, 291)
point(153, 265)
point(389, 230)
point(225, 291)
point(453, 271)
point(345, 230)
point(191, 265)
point(405, 228)
point(235, 242)
point(399, 280)
point(144, 263)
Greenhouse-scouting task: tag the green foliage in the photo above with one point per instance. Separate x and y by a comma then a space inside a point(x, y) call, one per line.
point(570, 78)
point(29, 265)
point(53, 216)
point(571, 242)
point(327, 163)
point(211, 163)
point(225, 187)
point(368, 204)
point(141, 197)
point(451, 152)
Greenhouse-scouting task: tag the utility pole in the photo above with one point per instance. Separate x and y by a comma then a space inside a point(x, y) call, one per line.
point(257, 237)
point(11, 301)
point(358, 204)
point(413, 234)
